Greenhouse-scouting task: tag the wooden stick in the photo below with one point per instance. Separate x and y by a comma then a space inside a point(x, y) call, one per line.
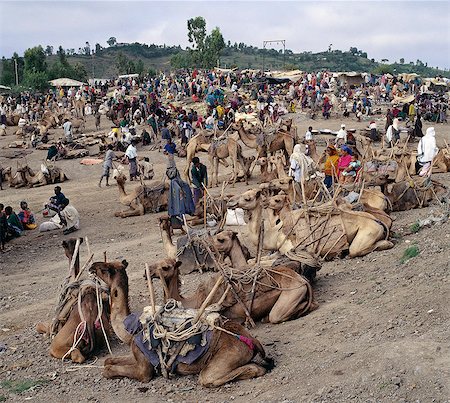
point(204, 209)
point(85, 265)
point(165, 288)
point(207, 300)
point(104, 256)
point(150, 288)
point(72, 276)
point(88, 245)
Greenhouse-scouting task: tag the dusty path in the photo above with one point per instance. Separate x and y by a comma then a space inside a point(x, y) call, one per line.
point(380, 334)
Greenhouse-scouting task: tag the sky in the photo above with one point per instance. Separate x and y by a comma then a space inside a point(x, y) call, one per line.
point(384, 29)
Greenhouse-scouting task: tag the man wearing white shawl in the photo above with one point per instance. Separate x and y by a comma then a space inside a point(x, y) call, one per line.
point(300, 164)
point(393, 132)
point(426, 151)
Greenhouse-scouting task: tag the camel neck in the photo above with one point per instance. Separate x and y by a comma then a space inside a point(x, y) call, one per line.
point(121, 189)
point(247, 139)
point(119, 307)
point(237, 255)
point(174, 288)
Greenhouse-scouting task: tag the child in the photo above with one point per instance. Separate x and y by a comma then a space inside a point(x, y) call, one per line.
point(349, 173)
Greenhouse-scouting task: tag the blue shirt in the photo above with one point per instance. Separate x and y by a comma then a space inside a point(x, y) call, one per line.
point(170, 148)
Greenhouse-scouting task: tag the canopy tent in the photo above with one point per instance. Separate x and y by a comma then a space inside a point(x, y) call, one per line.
point(220, 70)
point(285, 76)
point(403, 100)
point(65, 82)
point(4, 87)
point(350, 78)
point(129, 76)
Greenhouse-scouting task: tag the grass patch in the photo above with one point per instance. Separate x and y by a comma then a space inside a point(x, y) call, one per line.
point(415, 227)
point(21, 386)
point(396, 235)
point(2, 398)
point(409, 253)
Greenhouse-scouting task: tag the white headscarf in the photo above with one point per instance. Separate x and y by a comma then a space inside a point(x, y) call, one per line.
point(427, 149)
point(301, 164)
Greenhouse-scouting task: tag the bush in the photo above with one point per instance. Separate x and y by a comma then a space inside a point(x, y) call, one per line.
point(409, 253)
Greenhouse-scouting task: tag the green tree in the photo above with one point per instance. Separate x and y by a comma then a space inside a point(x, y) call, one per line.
point(111, 41)
point(139, 67)
point(402, 60)
point(49, 50)
point(98, 48)
point(36, 79)
point(197, 32)
point(214, 43)
point(35, 60)
point(7, 71)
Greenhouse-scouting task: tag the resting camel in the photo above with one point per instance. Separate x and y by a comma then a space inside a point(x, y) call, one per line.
point(16, 181)
point(265, 175)
point(55, 175)
point(69, 321)
point(227, 359)
point(142, 199)
point(359, 232)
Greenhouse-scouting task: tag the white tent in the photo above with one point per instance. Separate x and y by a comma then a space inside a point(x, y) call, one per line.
point(3, 87)
point(65, 82)
point(129, 76)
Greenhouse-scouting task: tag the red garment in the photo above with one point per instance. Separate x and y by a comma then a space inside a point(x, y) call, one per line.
point(343, 162)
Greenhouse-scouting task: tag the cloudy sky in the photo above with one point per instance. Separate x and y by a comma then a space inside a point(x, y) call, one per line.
point(384, 29)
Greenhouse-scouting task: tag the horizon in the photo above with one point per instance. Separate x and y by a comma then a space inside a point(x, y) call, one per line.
point(165, 23)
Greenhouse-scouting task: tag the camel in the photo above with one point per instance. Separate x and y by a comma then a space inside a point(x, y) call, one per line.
point(71, 324)
point(359, 232)
point(279, 161)
point(16, 181)
point(219, 151)
point(143, 198)
point(197, 143)
point(55, 175)
point(79, 108)
point(227, 358)
point(265, 175)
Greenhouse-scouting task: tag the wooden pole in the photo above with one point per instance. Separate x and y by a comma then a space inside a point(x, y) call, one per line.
point(150, 288)
point(207, 300)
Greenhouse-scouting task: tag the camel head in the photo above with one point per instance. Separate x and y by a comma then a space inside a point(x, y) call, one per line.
point(7, 171)
point(223, 241)
point(107, 271)
point(247, 201)
point(119, 177)
point(284, 184)
point(164, 224)
point(69, 246)
point(262, 161)
point(278, 201)
point(165, 268)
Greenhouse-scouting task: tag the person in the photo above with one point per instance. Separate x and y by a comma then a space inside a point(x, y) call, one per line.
point(107, 165)
point(300, 164)
point(308, 134)
point(344, 159)
point(341, 137)
point(180, 200)
point(67, 218)
point(426, 151)
point(3, 227)
point(26, 217)
point(97, 120)
point(417, 131)
point(15, 227)
point(165, 133)
point(146, 139)
point(56, 200)
point(52, 153)
point(199, 178)
point(170, 149)
point(393, 132)
point(349, 173)
point(373, 130)
point(331, 166)
point(131, 155)
point(67, 126)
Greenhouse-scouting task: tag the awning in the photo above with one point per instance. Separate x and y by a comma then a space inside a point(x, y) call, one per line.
point(65, 82)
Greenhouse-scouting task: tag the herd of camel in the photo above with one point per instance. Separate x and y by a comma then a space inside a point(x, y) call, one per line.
point(275, 288)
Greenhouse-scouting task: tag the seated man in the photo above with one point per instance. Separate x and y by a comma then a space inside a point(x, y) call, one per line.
point(67, 218)
point(56, 200)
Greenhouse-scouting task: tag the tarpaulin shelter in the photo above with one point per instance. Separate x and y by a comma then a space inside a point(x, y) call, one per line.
point(65, 82)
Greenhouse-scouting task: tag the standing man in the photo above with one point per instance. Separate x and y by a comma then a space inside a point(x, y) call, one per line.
point(131, 154)
point(199, 175)
point(170, 149)
point(107, 165)
point(341, 137)
point(67, 126)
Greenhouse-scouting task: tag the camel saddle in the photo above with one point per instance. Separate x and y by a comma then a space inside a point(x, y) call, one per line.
point(166, 334)
point(378, 168)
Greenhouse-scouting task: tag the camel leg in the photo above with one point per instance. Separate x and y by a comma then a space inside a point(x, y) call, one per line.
point(121, 360)
point(140, 368)
point(43, 327)
point(366, 242)
point(288, 303)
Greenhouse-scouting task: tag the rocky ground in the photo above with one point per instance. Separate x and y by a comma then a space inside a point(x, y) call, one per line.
point(380, 334)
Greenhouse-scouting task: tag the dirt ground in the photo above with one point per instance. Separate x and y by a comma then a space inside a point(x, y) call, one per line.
point(380, 333)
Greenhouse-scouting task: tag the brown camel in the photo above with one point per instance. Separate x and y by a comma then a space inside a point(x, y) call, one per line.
point(70, 324)
point(55, 175)
point(357, 231)
point(142, 199)
point(227, 359)
point(197, 143)
point(265, 175)
point(16, 181)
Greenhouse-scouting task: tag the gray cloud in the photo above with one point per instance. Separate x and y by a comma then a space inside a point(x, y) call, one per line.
point(384, 29)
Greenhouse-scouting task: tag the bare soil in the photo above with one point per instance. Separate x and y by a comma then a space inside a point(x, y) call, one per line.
point(380, 333)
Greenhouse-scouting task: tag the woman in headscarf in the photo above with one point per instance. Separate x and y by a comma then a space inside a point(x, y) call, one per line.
point(417, 132)
point(393, 133)
point(331, 166)
point(426, 151)
point(344, 159)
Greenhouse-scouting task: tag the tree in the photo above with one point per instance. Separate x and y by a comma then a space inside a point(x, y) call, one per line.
point(98, 48)
point(111, 41)
point(37, 80)
point(35, 59)
point(402, 60)
point(7, 71)
point(139, 67)
point(87, 49)
point(49, 50)
point(214, 43)
point(384, 60)
point(197, 32)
